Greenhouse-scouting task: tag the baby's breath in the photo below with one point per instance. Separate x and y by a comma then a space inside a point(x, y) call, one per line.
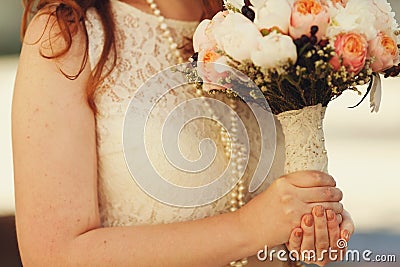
point(309, 81)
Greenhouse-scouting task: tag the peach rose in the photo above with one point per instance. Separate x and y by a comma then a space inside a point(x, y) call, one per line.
point(383, 49)
point(308, 13)
point(351, 51)
point(212, 67)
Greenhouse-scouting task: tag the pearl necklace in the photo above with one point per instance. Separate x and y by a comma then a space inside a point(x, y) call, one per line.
point(237, 195)
point(166, 32)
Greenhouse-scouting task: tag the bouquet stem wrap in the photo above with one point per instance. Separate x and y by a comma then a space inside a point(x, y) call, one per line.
point(304, 139)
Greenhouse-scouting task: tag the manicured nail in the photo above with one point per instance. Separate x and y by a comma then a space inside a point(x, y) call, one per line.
point(346, 235)
point(298, 234)
point(319, 211)
point(330, 215)
point(308, 220)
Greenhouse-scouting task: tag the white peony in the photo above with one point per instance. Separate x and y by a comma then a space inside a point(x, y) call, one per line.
point(368, 17)
point(237, 36)
point(333, 8)
point(272, 13)
point(384, 16)
point(274, 50)
point(200, 38)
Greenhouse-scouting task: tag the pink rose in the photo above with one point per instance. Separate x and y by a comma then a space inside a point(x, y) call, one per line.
point(351, 52)
point(383, 49)
point(211, 67)
point(308, 13)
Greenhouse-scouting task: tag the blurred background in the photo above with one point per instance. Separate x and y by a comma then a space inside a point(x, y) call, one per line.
point(363, 148)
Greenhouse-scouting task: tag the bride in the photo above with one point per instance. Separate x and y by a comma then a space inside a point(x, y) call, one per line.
point(76, 202)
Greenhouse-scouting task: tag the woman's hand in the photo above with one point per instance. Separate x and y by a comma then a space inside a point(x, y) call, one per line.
point(320, 233)
point(270, 217)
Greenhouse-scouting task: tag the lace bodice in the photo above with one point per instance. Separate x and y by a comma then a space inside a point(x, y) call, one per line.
point(142, 52)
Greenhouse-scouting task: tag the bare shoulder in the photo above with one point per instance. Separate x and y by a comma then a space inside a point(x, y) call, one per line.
point(45, 74)
point(42, 80)
point(61, 44)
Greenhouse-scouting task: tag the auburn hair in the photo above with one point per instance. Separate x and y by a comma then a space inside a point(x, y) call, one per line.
point(70, 16)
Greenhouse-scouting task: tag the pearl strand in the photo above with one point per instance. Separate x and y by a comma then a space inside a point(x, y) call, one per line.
point(166, 32)
point(237, 196)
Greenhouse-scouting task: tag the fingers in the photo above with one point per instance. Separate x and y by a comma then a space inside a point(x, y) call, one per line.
point(333, 229)
point(320, 194)
point(339, 218)
point(307, 224)
point(295, 240)
point(305, 179)
point(337, 207)
point(342, 234)
point(347, 226)
point(321, 232)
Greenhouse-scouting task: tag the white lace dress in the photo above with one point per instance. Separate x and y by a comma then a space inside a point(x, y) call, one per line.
point(142, 52)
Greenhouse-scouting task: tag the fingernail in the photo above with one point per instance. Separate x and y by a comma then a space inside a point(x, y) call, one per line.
point(298, 234)
point(308, 220)
point(319, 211)
point(330, 215)
point(346, 235)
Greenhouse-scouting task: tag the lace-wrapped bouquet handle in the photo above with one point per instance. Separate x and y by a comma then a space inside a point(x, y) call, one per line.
point(304, 139)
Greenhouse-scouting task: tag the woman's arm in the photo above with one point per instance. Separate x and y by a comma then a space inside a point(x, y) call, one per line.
point(58, 224)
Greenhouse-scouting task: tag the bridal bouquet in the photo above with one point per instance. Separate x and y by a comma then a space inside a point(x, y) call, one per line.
point(301, 54)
